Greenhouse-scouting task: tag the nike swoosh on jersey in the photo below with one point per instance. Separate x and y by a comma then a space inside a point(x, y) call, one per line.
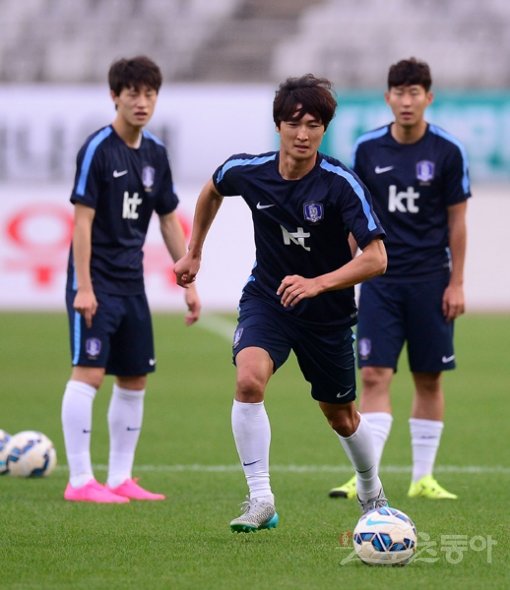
point(383, 169)
point(117, 173)
point(448, 359)
point(261, 206)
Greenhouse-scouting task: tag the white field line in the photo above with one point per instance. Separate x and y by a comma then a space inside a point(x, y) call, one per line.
point(195, 467)
point(225, 328)
point(218, 325)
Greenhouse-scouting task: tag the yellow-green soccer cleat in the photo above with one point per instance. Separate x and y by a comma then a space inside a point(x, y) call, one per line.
point(347, 490)
point(427, 487)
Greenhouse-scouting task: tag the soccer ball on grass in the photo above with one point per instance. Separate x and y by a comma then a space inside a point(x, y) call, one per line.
point(30, 454)
point(5, 437)
point(385, 536)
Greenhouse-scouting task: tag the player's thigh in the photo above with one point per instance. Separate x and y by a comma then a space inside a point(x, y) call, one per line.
point(380, 333)
point(326, 359)
point(90, 347)
point(132, 345)
point(254, 368)
point(429, 335)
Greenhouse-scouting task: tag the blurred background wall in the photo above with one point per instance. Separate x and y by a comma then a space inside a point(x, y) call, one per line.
point(222, 60)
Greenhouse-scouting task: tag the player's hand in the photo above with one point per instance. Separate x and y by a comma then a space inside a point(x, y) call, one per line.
point(186, 270)
point(85, 303)
point(194, 305)
point(295, 288)
point(453, 302)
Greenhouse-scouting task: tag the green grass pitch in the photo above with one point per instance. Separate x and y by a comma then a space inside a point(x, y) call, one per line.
point(186, 451)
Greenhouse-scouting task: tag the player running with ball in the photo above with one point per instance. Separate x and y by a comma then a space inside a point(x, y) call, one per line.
point(300, 295)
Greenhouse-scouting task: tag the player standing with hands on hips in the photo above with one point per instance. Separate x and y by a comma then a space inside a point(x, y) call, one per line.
point(417, 174)
point(300, 294)
point(122, 176)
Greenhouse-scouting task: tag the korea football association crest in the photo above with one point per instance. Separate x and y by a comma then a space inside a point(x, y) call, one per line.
point(425, 170)
point(92, 347)
point(313, 212)
point(237, 337)
point(148, 174)
point(364, 348)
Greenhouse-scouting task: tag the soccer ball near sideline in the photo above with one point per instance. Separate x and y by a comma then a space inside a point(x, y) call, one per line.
point(30, 454)
point(5, 437)
point(385, 536)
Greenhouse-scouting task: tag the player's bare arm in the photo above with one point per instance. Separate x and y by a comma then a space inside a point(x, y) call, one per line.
point(453, 298)
point(208, 203)
point(353, 245)
point(85, 302)
point(371, 262)
point(173, 236)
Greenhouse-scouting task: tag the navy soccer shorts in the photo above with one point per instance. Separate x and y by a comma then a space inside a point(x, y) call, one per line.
point(325, 354)
point(120, 339)
point(393, 313)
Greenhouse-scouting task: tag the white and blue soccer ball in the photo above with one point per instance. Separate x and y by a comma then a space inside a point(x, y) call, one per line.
point(30, 454)
point(5, 437)
point(385, 536)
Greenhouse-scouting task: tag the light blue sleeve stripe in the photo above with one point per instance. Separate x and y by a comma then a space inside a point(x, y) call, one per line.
point(356, 187)
point(465, 163)
point(367, 137)
point(87, 160)
point(243, 162)
point(77, 337)
point(155, 138)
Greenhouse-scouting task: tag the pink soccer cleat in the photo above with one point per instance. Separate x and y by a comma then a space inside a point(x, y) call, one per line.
point(93, 491)
point(130, 489)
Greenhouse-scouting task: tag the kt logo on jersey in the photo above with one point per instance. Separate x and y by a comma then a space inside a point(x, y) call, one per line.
point(402, 201)
point(130, 205)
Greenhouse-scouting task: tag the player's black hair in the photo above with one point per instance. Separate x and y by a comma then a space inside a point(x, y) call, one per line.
point(133, 73)
point(408, 72)
point(305, 95)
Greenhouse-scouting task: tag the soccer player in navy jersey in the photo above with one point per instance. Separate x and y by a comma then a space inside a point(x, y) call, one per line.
point(300, 294)
point(417, 174)
point(122, 176)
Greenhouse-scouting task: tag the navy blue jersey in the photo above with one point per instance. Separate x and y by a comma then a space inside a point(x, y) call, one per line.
point(301, 227)
point(412, 186)
point(124, 186)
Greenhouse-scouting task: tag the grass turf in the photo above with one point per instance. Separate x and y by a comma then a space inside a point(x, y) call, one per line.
point(186, 450)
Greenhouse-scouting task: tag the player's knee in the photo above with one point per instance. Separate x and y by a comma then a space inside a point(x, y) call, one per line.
point(375, 380)
point(90, 375)
point(250, 387)
point(428, 384)
point(369, 377)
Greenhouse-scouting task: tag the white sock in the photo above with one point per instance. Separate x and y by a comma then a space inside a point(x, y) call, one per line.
point(425, 439)
point(359, 448)
point(77, 426)
point(380, 424)
point(252, 436)
point(125, 415)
